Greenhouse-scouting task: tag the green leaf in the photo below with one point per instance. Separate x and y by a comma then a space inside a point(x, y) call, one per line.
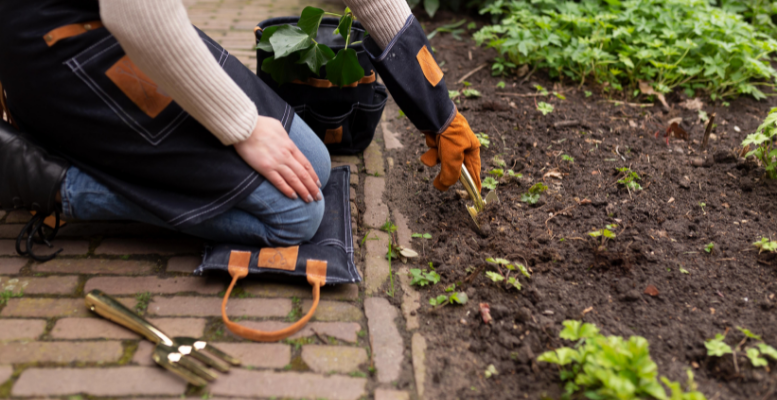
point(489, 183)
point(288, 39)
point(524, 270)
point(285, 70)
point(767, 350)
point(571, 330)
point(431, 7)
point(749, 334)
point(514, 283)
point(494, 276)
point(309, 21)
point(755, 358)
point(716, 347)
point(470, 92)
point(264, 42)
point(459, 298)
point(344, 27)
point(439, 300)
point(316, 57)
point(548, 357)
point(344, 69)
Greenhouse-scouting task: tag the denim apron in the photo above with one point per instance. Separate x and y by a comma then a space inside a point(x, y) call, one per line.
point(83, 98)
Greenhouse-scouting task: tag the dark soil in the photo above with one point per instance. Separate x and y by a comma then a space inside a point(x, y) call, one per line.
point(662, 230)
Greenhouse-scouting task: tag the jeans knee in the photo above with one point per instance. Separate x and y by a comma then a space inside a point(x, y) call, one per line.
point(298, 227)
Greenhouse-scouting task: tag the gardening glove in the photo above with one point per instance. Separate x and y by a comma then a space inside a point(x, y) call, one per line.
point(457, 145)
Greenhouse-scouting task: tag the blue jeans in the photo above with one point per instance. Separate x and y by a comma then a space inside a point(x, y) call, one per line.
point(265, 218)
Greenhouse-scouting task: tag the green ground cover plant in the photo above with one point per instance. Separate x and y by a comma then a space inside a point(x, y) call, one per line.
point(611, 368)
point(717, 347)
point(759, 13)
point(763, 141)
point(671, 44)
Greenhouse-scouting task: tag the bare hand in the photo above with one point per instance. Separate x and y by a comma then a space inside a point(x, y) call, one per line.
point(271, 152)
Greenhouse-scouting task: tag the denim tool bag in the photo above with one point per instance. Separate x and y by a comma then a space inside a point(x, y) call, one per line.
point(326, 259)
point(344, 118)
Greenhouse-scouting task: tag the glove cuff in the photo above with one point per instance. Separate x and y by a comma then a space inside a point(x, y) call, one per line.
point(413, 77)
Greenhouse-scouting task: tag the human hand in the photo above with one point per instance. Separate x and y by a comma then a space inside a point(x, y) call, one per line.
point(271, 152)
point(457, 145)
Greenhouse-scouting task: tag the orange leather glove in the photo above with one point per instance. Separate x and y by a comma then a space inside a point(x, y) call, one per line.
point(457, 145)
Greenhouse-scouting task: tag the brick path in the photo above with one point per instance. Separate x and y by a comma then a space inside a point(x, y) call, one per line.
point(357, 346)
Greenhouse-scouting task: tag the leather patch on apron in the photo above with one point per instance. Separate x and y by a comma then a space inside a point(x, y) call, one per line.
point(138, 87)
point(284, 258)
point(432, 71)
point(333, 135)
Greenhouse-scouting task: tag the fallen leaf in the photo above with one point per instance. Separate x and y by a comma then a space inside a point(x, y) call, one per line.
point(678, 120)
point(692, 104)
point(552, 174)
point(725, 205)
point(651, 290)
point(485, 313)
point(587, 310)
point(645, 88)
point(632, 123)
point(594, 172)
point(670, 201)
point(409, 253)
point(712, 311)
point(523, 70)
point(695, 365)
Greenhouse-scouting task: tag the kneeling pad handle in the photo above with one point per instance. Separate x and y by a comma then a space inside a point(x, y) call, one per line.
point(238, 268)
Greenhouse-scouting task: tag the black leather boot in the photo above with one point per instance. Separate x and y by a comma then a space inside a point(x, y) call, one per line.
point(30, 179)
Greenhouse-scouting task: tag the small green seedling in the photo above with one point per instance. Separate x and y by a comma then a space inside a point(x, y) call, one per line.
point(452, 94)
point(426, 236)
point(423, 278)
point(533, 195)
point(763, 139)
point(470, 93)
point(702, 205)
point(497, 172)
point(490, 371)
point(498, 161)
point(709, 247)
point(389, 227)
point(501, 66)
point(513, 175)
point(514, 283)
point(630, 179)
point(568, 158)
point(466, 83)
point(459, 298)
point(559, 95)
point(450, 288)
point(495, 276)
point(541, 90)
point(439, 300)
point(455, 298)
point(766, 245)
point(501, 85)
point(489, 183)
point(401, 114)
point(716, 347)
point(483, 139)
point(588, 93)
point(544, 108)
point(748, 333)
point(604, 233)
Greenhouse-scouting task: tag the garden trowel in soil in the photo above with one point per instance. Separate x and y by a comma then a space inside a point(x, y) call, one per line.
point(474, 194)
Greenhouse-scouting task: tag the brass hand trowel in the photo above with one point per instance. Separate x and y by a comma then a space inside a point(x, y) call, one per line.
point(474, 194)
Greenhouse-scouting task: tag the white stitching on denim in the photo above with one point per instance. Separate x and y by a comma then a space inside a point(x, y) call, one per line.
point(239, 189)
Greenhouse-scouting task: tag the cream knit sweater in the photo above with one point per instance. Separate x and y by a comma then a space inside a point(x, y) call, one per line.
point(159, 38)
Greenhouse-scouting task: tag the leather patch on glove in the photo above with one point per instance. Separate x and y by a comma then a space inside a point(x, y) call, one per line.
point(136, 85)
point(432, 71)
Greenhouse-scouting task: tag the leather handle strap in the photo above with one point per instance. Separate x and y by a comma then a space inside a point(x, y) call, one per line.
point(238, 268)
point(68, 31)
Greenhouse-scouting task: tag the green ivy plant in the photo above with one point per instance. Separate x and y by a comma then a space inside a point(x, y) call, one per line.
point(668, 44)
point(611, 368)
point(297, 55)
point(763, 140)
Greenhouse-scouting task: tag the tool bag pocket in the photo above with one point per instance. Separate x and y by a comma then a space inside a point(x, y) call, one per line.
point(345, 118)
point(326, 259)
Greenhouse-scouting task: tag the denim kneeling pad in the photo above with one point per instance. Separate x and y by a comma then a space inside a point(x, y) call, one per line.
point(324, 260)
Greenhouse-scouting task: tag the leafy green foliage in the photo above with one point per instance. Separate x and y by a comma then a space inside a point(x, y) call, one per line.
point(767, 350)
point(759, 13)
point(389, 227)
point(687, 44)
point(452, 28)
point(468, 92)
point(297, 55)
point(495, 276)
point(763, 140)
point(766, 245)
point(568, 158)
point(533, 195)
point(497, 172)
point(489, 183)
point(512, 174)
point(455, 298)
point(422, 235)
point(423, 278)
point(709, 247)
point(544, 108)
point(501, 66)
point(483, 139)
point(755, 357)
point(629, 179)
point(439, 300)
point(500, 85)
point(514, 283)
point(459, 298)
point(717, 347)
point(611, 368)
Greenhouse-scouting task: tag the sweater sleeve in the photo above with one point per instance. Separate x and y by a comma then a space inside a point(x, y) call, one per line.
point(382, 18)
point(159, 38)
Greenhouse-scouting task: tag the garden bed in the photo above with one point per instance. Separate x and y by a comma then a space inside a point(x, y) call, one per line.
point(690, 198)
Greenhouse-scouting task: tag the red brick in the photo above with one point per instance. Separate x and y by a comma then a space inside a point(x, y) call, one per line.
point(259, 355)
point(153, 284)
point(387, 344)
point(340, 359)
point(47, 285)
point(349, 291)
point(142, 355)
point(376, 212)
point(21, 329)
point(120, 381)
point(70, 248)
point(244, 383)
point(333, 311)
point(211, 307)
point(10, 266)
point(45, 308)
point(376, 265)
point(149, 246)
point(95, 266)
point(60, 352)
point(18, 216)
point(90, 328)
point(10, 231)
point(5, 373)
point(385, 394)
point(183, 264)
point(2, 214)
point(345, 331)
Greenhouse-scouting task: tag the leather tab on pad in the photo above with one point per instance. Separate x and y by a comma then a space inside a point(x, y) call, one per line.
point(316, 272)
point(284, 258)
point(238, 263)
point(333, 135)
point(432, 71)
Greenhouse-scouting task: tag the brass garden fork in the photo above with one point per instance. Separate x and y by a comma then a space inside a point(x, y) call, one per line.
point(175, 354)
